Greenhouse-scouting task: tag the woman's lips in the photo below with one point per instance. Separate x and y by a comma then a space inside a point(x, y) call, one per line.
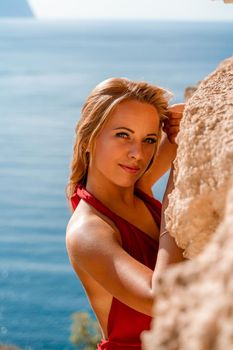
point(130, 169)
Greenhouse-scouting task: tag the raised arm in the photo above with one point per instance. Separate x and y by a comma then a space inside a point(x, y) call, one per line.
point(168, 253)
point(166, 152)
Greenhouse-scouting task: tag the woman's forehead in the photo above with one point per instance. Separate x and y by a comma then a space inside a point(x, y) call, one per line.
point(134, 112)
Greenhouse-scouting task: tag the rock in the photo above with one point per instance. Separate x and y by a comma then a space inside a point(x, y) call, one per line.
point(204, 162)
point(8, 347)
point(15, 8)
point(189, 91)
point(194, 299)
point(194, 309)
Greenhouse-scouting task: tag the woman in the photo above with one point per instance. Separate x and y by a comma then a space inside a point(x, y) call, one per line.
point(116, 239)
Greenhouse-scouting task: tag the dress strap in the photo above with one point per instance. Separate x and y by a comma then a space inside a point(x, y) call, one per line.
point(81, 193)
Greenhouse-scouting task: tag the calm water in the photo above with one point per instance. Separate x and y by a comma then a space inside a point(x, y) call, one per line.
point(46, 71)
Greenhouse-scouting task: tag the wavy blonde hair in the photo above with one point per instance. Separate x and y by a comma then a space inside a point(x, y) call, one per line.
point(96, 111)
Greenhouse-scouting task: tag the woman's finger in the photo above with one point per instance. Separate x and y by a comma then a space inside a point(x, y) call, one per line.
point(175, 115)
point(173, 130)
point(178, 107)
point(170, 125)
point(173, 122)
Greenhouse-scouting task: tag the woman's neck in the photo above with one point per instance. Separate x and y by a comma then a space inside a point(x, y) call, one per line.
point(110, 194)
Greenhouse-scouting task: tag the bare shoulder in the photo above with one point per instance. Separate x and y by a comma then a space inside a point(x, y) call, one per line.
point(88, 230)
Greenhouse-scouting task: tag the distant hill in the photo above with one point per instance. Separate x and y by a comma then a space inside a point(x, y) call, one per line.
point(15, 8)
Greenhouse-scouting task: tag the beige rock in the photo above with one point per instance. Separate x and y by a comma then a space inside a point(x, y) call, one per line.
point(194, 309)
point(204, 162)
point(189, 91)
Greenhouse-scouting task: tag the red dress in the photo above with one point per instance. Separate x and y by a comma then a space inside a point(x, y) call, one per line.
point(124, 323)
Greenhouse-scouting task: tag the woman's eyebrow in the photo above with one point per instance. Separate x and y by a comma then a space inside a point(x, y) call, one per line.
point(130, 130)
point(124, 127)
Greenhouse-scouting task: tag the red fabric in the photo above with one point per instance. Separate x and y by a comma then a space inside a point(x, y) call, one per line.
point(124, 323)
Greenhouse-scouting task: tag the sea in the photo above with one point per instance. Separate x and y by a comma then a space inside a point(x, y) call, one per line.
point(47, 69)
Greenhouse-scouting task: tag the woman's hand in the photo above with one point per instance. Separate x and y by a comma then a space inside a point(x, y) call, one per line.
point(172, 125)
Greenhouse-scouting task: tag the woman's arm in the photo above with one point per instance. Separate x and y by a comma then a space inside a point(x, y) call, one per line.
point(95, 248)
point(168, 253)
point(166, 152)
point(162, 162)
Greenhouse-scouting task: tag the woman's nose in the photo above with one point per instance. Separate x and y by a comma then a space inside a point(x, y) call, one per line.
point(135, 151)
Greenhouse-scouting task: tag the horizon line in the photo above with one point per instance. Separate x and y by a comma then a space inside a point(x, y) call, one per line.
point(75, 19)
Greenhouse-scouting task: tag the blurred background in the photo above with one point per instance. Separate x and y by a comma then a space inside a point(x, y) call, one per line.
point(52, 53)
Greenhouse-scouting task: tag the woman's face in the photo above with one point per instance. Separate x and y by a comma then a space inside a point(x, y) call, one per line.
point(126, 144)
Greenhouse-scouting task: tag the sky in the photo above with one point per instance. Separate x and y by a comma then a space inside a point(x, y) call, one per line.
point(133, 9)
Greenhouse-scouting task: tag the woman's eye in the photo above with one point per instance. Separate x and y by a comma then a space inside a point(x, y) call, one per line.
point(150, 140)
point(122, 135)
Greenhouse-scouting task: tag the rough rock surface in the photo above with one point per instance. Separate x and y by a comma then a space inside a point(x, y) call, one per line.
point(204, 162)
point(189, 91)
point(194, 308)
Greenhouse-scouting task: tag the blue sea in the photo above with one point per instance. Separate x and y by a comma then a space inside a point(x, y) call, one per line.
point(46, 71)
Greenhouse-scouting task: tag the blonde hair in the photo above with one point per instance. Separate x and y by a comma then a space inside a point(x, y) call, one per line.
point(96, 111)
